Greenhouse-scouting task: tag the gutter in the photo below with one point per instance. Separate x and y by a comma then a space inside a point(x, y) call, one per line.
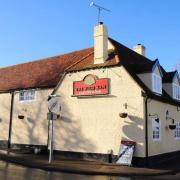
point(10, 119)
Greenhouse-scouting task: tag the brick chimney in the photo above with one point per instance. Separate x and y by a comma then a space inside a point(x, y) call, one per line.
point(140, 49)
point(100, 43)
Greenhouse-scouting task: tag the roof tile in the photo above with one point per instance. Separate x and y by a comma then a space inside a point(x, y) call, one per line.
point(39, 74)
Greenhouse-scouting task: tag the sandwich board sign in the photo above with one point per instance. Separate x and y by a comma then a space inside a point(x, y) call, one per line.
point(126, 153)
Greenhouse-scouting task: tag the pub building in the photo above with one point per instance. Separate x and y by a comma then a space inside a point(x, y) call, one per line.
point(108, 94)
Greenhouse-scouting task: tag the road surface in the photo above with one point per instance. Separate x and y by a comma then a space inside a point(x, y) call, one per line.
point(10, 171)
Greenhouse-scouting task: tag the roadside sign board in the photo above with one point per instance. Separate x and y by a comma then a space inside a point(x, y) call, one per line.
point(126, 152)
point(54, 105)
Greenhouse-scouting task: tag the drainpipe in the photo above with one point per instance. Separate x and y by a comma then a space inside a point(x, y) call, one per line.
point(146, 130)
point(10, 120)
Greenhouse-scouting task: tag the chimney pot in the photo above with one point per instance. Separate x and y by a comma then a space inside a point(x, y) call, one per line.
point(140, 49)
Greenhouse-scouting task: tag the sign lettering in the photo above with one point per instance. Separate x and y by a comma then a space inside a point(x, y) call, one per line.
point(91, 85)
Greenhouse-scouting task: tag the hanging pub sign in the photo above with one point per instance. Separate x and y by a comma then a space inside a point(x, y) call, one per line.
point(91, 85)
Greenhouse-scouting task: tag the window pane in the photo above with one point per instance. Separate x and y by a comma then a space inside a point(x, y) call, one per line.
point(177, 131)
point(176, 92)
point(157, 83)
point(155, 129)
point(27, 95)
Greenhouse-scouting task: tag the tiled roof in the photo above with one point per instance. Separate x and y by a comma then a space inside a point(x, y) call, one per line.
point(39, 74)
point(88, 63)
point(132, 61)
point(47, 72)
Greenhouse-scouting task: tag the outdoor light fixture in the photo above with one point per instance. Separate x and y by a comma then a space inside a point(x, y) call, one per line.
point(156, 117)
point(123, 115)
point(168, 117)
point(125, 105)
point(171, 126)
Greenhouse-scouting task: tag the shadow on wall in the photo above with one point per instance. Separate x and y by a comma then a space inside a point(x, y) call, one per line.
point(4, 116)
point(33, 122)
point(134, 130)
point(68, 133)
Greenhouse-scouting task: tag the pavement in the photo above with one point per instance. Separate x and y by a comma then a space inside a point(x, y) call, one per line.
point(88, 167)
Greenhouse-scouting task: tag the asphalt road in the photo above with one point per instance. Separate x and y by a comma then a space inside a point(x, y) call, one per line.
point(10, 171)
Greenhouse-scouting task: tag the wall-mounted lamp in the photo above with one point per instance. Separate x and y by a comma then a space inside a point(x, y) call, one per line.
point(125, 105)
point(155, 116)
point(123, 115)
point(168, 117)
point(103, 70)
point(171, 126)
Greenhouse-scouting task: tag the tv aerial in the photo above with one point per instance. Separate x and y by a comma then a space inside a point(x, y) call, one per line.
point(99, 8)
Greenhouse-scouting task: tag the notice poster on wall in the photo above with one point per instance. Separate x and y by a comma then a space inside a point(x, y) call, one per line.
point(126, 152)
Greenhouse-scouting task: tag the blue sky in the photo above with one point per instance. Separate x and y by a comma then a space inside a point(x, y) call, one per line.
point(35, 29)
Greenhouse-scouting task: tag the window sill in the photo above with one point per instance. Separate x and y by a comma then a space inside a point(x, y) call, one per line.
point(27, 101)
point(176, 99)
point(157, 93)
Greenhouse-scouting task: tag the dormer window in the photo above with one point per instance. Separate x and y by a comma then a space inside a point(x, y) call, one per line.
point(176, 91)
point(171, 84)
point(156, 83)
point(152, 76)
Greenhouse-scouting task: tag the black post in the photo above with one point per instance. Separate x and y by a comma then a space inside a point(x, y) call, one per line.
point(10, 120)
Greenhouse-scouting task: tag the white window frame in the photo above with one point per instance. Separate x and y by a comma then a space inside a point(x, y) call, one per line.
point(156, 83)
point(176, 91)
point(156, 130)
point(28, 95)
point(177, 131)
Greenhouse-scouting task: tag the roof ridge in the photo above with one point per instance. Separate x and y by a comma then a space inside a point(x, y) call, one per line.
point(132, 51)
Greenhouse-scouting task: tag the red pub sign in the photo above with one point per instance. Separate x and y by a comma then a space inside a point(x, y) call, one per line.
point(91, 85)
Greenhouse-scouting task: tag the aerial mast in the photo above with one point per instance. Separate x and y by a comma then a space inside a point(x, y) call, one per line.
point(99, 8)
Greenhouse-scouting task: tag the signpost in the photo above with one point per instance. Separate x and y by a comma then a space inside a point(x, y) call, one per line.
point(54, 110)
